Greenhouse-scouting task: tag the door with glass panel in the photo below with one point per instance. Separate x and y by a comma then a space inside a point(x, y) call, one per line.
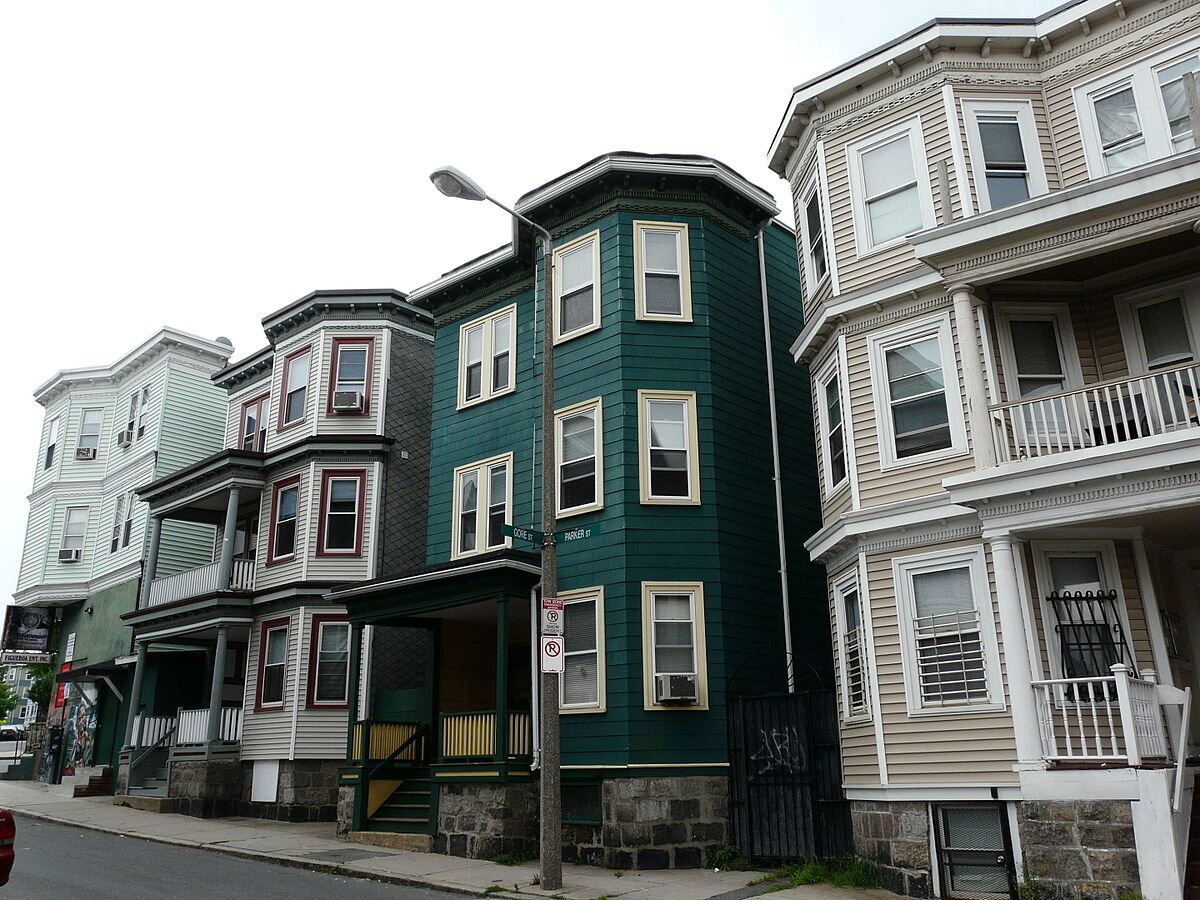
point(1088, 624)
point(973, 851)
point(1039, 368)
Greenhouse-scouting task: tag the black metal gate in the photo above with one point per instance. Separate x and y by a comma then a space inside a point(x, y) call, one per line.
point(786, 783)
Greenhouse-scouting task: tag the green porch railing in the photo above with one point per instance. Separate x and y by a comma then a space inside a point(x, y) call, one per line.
point(472, 736)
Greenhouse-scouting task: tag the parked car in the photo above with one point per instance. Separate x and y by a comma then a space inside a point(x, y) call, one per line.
point(11, 733)
point(8, 837)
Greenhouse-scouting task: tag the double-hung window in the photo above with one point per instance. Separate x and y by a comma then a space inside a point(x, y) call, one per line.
point(812, 226)
point(577, 288)
point(329, 661)
point(1172, 87)
point(832, 421)
point(74, 532)
point(673, 640)
point(272, 663)
point(485, 350)
point(342, 505)
point(253, 429)
point(1160, 328)
point(889, 183)
point(1122, 140)
point(917, 396)
point(90, 422)
point(51, 442)
point(849, 617)
point(351, 360)
point(285, 508)
point(662, 289)
point(143, 412)
point(578, 431)
point(1005, 153)
point(1040, 358)
point(949, 633)
point(135, 401)
point(670, 469)
point(482, 498)
point(582, 680)
point(295, 387)
point(122, 527)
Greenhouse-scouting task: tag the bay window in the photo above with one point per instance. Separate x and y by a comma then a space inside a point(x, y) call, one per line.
point(342, 506)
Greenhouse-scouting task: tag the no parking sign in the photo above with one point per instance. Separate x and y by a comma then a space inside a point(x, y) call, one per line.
point(552, 653)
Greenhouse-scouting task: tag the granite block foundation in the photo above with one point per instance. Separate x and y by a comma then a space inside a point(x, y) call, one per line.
point(308, 792)
point(206, 788)
point(1079, 850)
point(482, 821)
point(895, 836)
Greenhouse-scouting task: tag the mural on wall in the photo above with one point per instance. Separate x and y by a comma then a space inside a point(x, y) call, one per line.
point(80, 732)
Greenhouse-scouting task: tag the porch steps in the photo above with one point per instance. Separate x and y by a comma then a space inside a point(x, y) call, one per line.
point(154, 786)
point(1191, 881)
point(408, 810)
point(99, 783)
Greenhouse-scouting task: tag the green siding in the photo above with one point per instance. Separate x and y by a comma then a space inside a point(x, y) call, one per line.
point(102, 635)
point(193, 420)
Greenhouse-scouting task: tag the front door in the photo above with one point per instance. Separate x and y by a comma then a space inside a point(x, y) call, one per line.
point(973, 851)
point(402, 674)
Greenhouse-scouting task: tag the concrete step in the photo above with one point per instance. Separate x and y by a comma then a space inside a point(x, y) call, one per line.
point(148, 803)
point(420, 843)
point(140, 790)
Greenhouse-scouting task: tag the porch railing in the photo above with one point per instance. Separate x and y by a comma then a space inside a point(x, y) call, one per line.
point(1106, 412)
point(199, 581)
point(379, 740)
point(1117, 718)
point(149, 730)
point(193, 725)
point(472, 735)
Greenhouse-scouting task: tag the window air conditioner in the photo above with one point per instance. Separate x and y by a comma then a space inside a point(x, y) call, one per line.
point(85, 452)
point(675, 688)
point(348, 401)
point(69, 554)
point(125, 438)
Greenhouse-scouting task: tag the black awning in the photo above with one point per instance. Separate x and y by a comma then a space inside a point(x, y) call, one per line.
point(93, 672)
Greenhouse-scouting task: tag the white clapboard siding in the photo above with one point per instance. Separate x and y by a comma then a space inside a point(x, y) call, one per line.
point(277, 439)
point(353, 424)
point(320, 733)
point(267, 734)
point(342, 567)
point(191, 414)
point(271, 575)
point(35, 555)
point(233, 412)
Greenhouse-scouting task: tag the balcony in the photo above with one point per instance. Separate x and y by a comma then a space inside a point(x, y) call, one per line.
point(186, 727)
point(199, 582)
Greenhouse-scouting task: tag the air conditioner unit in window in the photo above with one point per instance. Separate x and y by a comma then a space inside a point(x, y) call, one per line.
point(85, 452)
point(348, 401)
point(675, 688)
point(125, 438)
point(69, 554)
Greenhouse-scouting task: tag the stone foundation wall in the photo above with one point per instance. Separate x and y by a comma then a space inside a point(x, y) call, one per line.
point(482, 821)
point(895, 836)
point(207, 788)
point(1079, 849)
point(345, 809)
point(308, 792)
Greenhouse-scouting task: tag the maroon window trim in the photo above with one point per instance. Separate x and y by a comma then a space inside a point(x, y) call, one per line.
point(287, 365)
point(241, 435)
point(278, 486)
point(271, 625)
point(360, 511)
point(314, 649)
point(333, 374)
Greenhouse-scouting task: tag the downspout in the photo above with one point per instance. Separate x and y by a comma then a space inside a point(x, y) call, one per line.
point(783, 566)
point(535, 667)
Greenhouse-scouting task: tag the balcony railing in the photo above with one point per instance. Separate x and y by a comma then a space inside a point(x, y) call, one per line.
point(200, 581)
point(190, 726)
point(472, 735)
point(1107, 412)
point(381, 740)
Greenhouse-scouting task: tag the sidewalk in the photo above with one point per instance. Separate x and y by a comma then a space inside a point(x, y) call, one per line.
point(315, 846)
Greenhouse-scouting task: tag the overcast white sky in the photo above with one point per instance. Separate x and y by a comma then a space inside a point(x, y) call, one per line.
point(202, 164)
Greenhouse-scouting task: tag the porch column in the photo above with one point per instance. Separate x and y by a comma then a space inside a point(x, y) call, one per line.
point(218, 681)
point(151, 565)
point(225, 567)
point(501, 679)
point(135, 695)
point(356, 635)
point(1016, 652)
point(983, 443)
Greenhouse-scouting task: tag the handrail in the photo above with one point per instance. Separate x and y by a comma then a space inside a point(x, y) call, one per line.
point(137, 760)
point(420, 732)
point(1093, 385)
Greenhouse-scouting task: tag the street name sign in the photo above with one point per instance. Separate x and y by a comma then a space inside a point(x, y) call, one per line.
point(522, 533)
point(552, 654)
point(569, 535)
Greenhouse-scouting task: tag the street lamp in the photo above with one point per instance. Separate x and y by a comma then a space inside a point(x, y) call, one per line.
point(454, 183)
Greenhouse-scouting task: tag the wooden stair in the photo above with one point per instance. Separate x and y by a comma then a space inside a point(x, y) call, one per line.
point(1191, 881)
point(409, 809)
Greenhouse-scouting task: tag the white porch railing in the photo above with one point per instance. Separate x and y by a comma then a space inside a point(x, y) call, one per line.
point(193, 725)
point(1106, 412)
point(199, 581)
point(149, 730)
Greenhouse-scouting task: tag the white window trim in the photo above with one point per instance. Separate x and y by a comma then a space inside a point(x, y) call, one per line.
point(487, 362)
point(596, 404)
point(879, 344)
point(693, 448)
point(1060, 315)
point(87, 520)
point(903, 568)
point(53, 439)
point(863, 243)
point(99, 432)
point(813, 188)
point(481, 510)
point(1109, 570)
point(696, 589)
point(1188, 290)
point(834, 368)
point(559, 252)
point(840, 587)
point(1035, 169)
point(601, 704)
point(1142, 76)
point(639, 266)
point(316, 669)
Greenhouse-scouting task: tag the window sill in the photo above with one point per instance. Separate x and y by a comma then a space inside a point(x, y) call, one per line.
point(579, 510)
point(907, 462)
point(288, 426)
point(467, 404)
point(579, 332)
point(683, 319)
point(837, 489)
point(669, 501)
point(280, 560)
point(581, 710)
point(966, 709)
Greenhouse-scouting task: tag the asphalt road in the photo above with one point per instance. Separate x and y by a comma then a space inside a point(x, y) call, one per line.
point(61, 862)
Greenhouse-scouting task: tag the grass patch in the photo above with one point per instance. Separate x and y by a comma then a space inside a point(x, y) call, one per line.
point(839, 872)
point(515, 859)
point(728, 858)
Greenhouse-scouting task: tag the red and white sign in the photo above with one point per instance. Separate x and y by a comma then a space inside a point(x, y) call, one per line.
point(552, 617)
point(552, 654)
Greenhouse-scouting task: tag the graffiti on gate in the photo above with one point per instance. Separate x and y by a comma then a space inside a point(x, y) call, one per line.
point(780, 749)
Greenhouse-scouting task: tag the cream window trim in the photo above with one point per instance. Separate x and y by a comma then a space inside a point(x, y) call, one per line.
point(688, 400)
point(984, 622)
point(601, 705)
point(594, 405)
point(849, 645)
point(1020, 112)
point(909, 130)
point(834, 370)
point(484, 500)
point(682, 271)
point(649, 590)
point(578, 243)
point(813, 191)
point(1188, 292)
point(879, 344)
point(489, 352)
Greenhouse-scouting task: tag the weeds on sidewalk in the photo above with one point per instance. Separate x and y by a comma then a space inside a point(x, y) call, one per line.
point(841, 873)
point(726, 858)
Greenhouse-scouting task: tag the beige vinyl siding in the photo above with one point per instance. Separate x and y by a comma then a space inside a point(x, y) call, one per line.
point(841, 501)
point(945, 749)
point(347, 568)
point(320, 733)
point(1111, 361)
point(1041, 124)
point(36, 554)
point(860, 759)
point(277, 439)
point(353, 424)
point(268, 734)
point(268, 575)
